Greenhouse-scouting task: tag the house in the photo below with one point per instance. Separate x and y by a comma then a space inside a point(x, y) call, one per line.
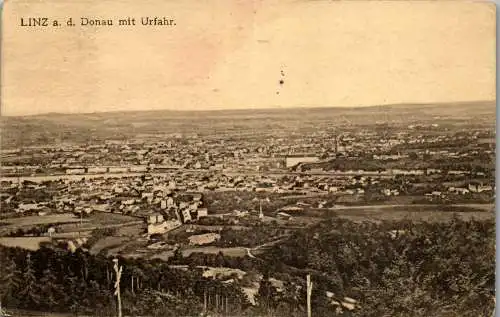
point(193, 206)
point(51, 231)
point(457, 172)
point(101, 207)
point(197, 197)
point(138, 168)
point(458, 190)
point(27, 207)
point(202, 212)
point(479, 188)
point(186, 215)
point(333, 189)
point(431, 171)
point(484, 188)
point(390, 192)
point(170, 202)
point(43, 212)
point(238, 213)
point(128, 202)
point(117, 169)
point(396, 233)
point(155, 218)
point(73, 245)
point(75, 171)
point(97, 170)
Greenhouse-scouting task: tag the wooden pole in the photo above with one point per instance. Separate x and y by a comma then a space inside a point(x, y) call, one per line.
point(118, 271)
point(309, 292)
point(132, 283)
point(205, 300)
point(226, 306)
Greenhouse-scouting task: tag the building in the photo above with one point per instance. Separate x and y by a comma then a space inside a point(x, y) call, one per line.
point(116, 169)
point(186, 215)
point(479, 188)
point(138, 168)
point(202, 212)
point(97, 170)
point(75, 171)
point(155, 218)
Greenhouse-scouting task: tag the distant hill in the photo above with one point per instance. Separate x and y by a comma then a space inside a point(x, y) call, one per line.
point(89, 127)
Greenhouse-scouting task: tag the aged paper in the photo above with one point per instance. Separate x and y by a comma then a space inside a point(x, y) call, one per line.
point(247, 158)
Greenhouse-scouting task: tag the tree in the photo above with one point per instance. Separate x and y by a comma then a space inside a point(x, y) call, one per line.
point(29, 290)
point(9, 280)
point(267, 293)
point(50, 290)
point(71, 289)
point(220, 261)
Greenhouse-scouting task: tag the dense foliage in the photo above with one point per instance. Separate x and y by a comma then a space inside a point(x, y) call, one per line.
point(401, 269)
point(50, 280)
point(392, 268)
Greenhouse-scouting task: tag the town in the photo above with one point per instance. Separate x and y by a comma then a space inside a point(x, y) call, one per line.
point(235, 189)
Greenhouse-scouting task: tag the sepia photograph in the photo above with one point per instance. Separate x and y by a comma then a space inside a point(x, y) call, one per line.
point(255, 158)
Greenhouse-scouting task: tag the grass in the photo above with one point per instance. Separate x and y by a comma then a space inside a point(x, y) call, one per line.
point(40, 220)
point(29, 243)
point(415, 213)
point(107, 243)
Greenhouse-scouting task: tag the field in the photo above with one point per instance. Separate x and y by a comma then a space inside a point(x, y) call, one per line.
point(28, 243)
point(10, 225)
point(99, 220)
point(427, 213)
point(67, 222)
point(107, 243)
point(40, 220)
point(129, 240)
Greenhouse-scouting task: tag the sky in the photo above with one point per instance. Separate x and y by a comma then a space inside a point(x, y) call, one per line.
point(237, 54)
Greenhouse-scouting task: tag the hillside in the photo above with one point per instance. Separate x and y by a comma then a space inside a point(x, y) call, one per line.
point(95, 127)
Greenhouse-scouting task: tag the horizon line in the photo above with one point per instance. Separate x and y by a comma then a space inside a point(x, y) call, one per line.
point(250, 108)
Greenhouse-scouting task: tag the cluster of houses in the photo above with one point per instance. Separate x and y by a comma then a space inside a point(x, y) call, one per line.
point(183, 211)
point(471, 188)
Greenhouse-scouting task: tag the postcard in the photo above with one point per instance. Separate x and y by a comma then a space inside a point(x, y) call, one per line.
point(247, 158)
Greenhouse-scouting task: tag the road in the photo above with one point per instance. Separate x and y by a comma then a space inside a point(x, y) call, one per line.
point(263, 246)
